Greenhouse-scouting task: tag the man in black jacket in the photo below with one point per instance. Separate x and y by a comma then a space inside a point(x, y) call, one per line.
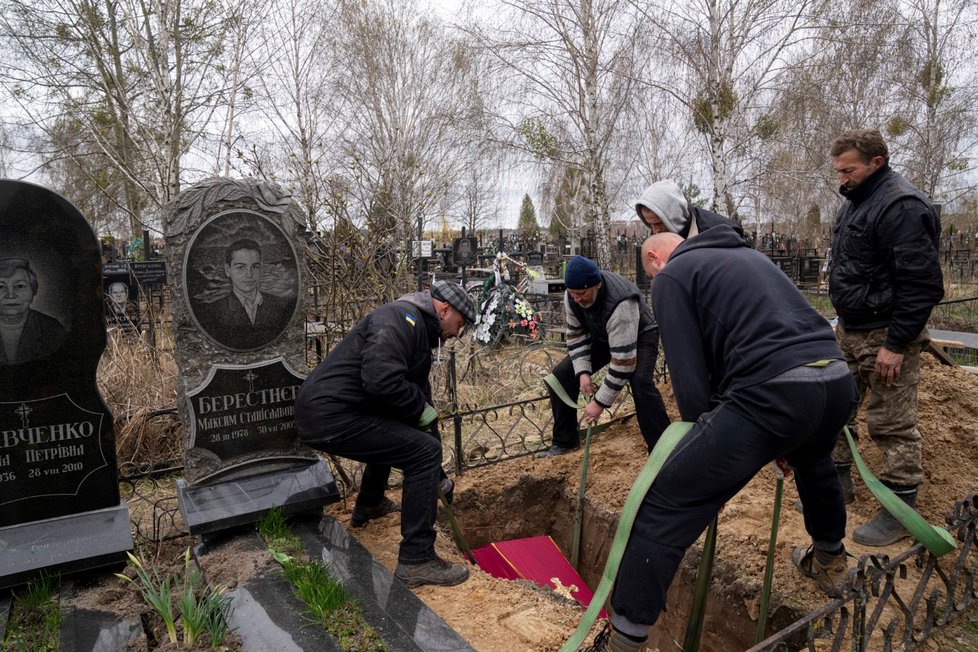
point(369, 401)
point(761, 375)
point(663, 208)
point(884, 280)
point(608, 323)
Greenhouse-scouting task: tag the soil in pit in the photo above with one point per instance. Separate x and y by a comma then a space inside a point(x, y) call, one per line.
point(528, 497)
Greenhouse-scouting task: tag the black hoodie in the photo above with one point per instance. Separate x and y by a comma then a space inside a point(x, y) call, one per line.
point(729, 318)
point(381, 367)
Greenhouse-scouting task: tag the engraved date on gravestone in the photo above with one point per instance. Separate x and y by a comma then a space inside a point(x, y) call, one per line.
point(48, 447)
point(244, 409)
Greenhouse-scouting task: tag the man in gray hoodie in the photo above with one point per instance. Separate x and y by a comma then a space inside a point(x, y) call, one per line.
point(663, 208)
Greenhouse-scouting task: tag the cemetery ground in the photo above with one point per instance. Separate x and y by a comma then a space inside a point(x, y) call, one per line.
point(529, 497)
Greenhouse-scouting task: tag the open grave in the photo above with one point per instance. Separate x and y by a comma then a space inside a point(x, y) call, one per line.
point(526, 497)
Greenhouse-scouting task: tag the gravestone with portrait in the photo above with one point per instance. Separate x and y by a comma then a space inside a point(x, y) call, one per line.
point(235, 254)
point(60, 508)
point(121, 297)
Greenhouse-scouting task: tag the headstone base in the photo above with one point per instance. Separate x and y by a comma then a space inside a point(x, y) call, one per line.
point(225, 505)
point(66, 544)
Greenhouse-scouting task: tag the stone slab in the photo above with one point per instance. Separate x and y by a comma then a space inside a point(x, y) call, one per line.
point(66, 544)
point(399, 616)
point(87, 630)
point(246, 500)
point(265, 610)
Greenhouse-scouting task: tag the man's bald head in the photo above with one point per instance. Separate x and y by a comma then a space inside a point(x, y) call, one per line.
point(656, 251)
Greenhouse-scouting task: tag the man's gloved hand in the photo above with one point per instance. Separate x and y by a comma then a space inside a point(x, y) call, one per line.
point(428, 416)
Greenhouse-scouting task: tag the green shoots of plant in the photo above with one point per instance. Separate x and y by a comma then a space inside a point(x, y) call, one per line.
point(327, 599)
point(156, 591)
point(35, 619)
point(202, 608)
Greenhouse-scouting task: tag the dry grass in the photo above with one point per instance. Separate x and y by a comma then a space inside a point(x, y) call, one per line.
point(137, 382)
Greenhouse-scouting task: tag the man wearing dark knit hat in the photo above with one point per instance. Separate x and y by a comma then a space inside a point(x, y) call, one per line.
point(370, 401)
point(608, 323)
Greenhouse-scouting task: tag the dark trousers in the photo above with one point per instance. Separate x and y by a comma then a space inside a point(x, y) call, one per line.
point(383, 444)
point(783, 417)
point(649, 409)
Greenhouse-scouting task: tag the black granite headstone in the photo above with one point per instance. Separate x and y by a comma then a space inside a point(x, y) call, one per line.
point(242, 415)
point(234, 255)
point(465, 251)
point(57, 443)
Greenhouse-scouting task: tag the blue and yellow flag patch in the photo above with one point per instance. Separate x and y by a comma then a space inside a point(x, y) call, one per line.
point(411, 319)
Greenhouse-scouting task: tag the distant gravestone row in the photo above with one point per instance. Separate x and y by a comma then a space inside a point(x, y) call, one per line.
point(238, 315)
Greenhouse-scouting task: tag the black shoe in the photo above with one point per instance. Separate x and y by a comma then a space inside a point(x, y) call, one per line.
point(437, 571)
point(363, 514)
point(884, 529)
point(555, 450)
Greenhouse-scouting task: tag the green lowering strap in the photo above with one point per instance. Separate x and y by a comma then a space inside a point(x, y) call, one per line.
point(697, 613)
point(460, 541)
point(936, 539)
point(769, 566)
point(653, 465)
point(551, 380)
point(579, 512)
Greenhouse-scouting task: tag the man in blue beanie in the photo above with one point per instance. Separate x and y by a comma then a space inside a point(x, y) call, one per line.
point(608, 323)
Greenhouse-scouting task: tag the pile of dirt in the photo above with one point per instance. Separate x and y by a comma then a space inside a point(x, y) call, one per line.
point(494, 614)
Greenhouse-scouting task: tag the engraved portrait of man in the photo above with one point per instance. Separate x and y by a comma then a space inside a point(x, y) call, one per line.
point(242, 291)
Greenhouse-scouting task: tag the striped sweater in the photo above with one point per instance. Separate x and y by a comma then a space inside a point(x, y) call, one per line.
point(620, 331)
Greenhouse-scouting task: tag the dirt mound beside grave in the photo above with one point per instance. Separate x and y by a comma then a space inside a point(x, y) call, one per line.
point(528, 497)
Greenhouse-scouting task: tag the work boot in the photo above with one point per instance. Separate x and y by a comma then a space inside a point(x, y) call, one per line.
point(884, 529)
point(363, 514)
point(848, 488)
point(556, 450)
point(829, 571)
point(618, 642)
point(436, 571)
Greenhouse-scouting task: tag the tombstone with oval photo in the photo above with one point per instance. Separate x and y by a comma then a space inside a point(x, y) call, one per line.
point(235, 253)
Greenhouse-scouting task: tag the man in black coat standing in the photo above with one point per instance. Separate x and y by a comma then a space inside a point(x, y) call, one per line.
point(884, 280)
point(370, 401)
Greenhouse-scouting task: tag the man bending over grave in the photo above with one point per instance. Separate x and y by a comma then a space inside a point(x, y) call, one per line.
point(761, 375)
point(608, 323)
point(25, 333)
point(370, 401)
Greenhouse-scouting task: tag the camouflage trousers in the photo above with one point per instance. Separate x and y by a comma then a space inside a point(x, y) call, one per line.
point(891, 412)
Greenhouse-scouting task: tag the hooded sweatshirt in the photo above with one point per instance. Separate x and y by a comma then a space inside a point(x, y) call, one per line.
point(381, 367)
point(665, 199)
point(729, 318)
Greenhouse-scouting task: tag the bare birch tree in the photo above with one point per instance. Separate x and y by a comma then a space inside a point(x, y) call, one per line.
point(721, 59)
point(139, 80)
point(935, 124)
point(571, 66)
point(406, 86)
